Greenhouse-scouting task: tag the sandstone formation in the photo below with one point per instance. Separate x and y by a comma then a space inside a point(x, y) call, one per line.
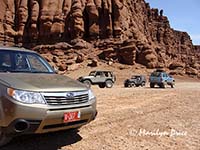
point(68, 32)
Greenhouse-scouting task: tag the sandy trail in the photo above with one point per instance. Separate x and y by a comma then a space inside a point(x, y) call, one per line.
point(131, 118)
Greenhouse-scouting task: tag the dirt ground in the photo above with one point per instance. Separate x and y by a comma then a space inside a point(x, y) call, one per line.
point(131, 119)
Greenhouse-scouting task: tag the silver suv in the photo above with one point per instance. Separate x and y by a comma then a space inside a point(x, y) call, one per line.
point(34, 99)
point(101, 78)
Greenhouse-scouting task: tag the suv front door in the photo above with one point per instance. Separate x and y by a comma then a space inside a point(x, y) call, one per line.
point(99, 77)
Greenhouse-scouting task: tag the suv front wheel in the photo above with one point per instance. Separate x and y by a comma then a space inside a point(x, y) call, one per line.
point(109, 84)
point(152, 85)
point(162, 85)
point(143, 84)
point(3, 138)
point(87, 83)
point(172, 85)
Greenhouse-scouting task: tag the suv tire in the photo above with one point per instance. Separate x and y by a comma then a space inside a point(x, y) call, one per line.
point(143, 84)
point(152, 85)
point(126, 85)
point(102, 85)
point(3, 138)
point(162, 85)
point(172, 85)
point(109, 84)
point(87, 83)
point(133, 85)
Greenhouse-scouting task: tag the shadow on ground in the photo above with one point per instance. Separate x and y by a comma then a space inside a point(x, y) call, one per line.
point(50, 141)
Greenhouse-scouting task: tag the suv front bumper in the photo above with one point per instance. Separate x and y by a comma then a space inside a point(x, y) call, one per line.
point(20, 118)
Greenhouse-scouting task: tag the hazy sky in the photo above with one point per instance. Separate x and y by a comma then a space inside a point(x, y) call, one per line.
point(183, 15)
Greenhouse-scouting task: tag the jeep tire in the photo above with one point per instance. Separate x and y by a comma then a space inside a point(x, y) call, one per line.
point(87, 83)
point(133, 84)
point(126, 85)
point(162, 85)
point(152, 85)
point(143, 84)
point(172, 85)
point(102, 85)
point(109, 84)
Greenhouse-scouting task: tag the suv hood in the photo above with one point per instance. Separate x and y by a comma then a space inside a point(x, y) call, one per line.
point(40, 82)
point(85, 77)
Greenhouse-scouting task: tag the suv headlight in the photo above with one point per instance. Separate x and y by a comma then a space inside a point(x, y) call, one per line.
point(26, 96)
point(90, 94)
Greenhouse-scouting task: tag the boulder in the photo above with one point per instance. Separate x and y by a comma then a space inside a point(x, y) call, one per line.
point(93, 63)
point(73, 67)
point(191, 71)
point(175, 64)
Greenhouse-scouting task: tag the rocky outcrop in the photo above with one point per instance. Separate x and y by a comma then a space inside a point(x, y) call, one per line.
point(51, 21)
point(67, 32)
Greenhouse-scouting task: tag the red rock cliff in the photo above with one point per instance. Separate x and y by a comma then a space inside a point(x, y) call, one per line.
point(122, 31)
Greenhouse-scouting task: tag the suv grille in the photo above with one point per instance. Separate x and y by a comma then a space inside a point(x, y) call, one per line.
point(67, 98)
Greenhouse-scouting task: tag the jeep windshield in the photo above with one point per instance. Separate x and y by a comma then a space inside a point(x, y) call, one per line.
point(156, 74)
point(92, 73)
point(22, 61)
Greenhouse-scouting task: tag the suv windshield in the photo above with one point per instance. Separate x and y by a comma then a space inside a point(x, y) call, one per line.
point(17, 61)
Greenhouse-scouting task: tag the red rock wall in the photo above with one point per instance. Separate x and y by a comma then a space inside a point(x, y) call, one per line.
point(122, 31)
point(51, 21)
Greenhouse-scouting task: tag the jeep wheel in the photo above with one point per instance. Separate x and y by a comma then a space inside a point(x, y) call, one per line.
point(102, 85)
point(87, 83)
point(162, 85)
point(126, 85)
point(152, 85)
point(109, 84)
point(3, 138)
point(172, 85)
point(133, 85)
point(143, 84)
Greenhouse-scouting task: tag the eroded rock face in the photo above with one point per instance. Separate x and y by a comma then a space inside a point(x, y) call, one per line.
point(121, 31)
point(50, 21)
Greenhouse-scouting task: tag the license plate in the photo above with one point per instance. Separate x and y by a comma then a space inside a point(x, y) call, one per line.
point(72, 116)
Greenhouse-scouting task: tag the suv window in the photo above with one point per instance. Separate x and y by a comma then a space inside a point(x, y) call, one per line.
point(36, 64)
point(108, 74)
point(92, 73)
point(164, 75)
point(5, 60)
point(100, 74)
point(20, 61)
